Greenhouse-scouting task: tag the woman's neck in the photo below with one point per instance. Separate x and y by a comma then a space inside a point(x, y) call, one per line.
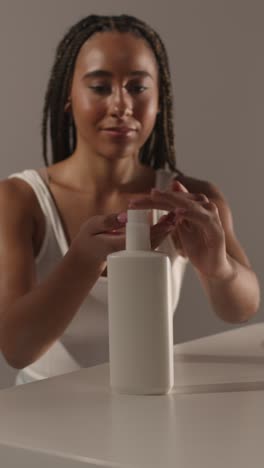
point(103, 176)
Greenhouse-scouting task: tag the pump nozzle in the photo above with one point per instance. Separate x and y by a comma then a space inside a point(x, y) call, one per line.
point(137, 230)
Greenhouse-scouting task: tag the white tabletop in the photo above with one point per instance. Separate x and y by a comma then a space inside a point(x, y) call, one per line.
point(214, 417)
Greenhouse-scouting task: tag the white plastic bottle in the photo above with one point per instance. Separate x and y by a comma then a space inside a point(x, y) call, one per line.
point(140, 314)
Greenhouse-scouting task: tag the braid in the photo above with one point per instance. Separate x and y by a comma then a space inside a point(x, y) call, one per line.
point(159, 150)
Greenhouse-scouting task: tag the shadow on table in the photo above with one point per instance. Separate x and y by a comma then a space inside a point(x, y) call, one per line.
point(238, 383)
point(203, 358)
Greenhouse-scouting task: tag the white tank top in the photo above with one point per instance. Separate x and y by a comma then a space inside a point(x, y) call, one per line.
point(84, 342)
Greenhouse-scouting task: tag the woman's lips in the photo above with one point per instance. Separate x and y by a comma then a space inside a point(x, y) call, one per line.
point(119, 133)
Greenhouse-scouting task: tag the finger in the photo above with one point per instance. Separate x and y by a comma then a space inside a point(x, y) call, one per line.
point(149, 203)
point(209, 205)
point(177, 242)
point(114, 243)
point(176, 197)
point(201, 197)
point(165, 226)
point(201, 216)
point(159, 232)
point(163, 200)
point(155, 192)
point(180, 199)
point(162, 219)
point(179, 195)
point(178, 186)
point(102, 223)
point(112, 232)
point(159, 236)
point(169, 218)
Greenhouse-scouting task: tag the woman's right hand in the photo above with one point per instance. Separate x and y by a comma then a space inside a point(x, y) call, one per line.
point(102, 235)
point(95, 239)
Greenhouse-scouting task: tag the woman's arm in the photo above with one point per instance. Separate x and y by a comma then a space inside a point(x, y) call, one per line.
point(204, 233)
point(235, 296)
point(32, 317)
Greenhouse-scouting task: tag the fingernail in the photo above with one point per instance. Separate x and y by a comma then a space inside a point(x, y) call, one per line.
point(122, 217)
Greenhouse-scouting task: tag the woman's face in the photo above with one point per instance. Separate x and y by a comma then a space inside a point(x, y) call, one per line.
point(115, 84)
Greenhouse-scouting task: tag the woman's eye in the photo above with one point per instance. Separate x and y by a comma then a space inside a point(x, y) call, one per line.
point(138, 89)
point(100, 89)
point(105, 89)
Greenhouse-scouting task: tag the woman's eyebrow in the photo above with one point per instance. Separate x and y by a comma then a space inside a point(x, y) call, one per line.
point(106, 73)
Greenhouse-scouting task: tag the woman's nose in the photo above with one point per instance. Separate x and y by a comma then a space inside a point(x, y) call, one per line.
point(121, 102)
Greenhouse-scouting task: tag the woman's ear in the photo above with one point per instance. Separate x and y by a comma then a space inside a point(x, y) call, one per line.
point(67, 106)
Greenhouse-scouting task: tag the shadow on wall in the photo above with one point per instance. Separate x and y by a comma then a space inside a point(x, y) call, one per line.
point(7, 374)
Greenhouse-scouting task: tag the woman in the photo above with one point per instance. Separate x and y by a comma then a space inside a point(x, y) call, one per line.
point(108, 109)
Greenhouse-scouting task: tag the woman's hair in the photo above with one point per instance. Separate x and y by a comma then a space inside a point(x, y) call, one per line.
point(158, 151)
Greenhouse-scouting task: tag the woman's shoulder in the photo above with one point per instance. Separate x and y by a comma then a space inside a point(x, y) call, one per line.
point(20, 210)
point(17, 192)
point(17, 200)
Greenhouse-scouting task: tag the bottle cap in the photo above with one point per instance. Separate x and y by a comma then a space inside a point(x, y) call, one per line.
point(137, 216)
point(137, 230)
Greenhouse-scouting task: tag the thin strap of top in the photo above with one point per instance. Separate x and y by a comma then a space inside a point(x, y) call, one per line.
point(44, 174)
point(38, 179)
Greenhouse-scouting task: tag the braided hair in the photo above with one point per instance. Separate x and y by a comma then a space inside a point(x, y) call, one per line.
point(158, 151)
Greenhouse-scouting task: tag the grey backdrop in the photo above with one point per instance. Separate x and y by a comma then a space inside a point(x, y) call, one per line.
point(216, 58)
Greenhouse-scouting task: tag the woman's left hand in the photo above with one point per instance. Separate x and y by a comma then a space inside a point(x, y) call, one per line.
point(198, 227)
